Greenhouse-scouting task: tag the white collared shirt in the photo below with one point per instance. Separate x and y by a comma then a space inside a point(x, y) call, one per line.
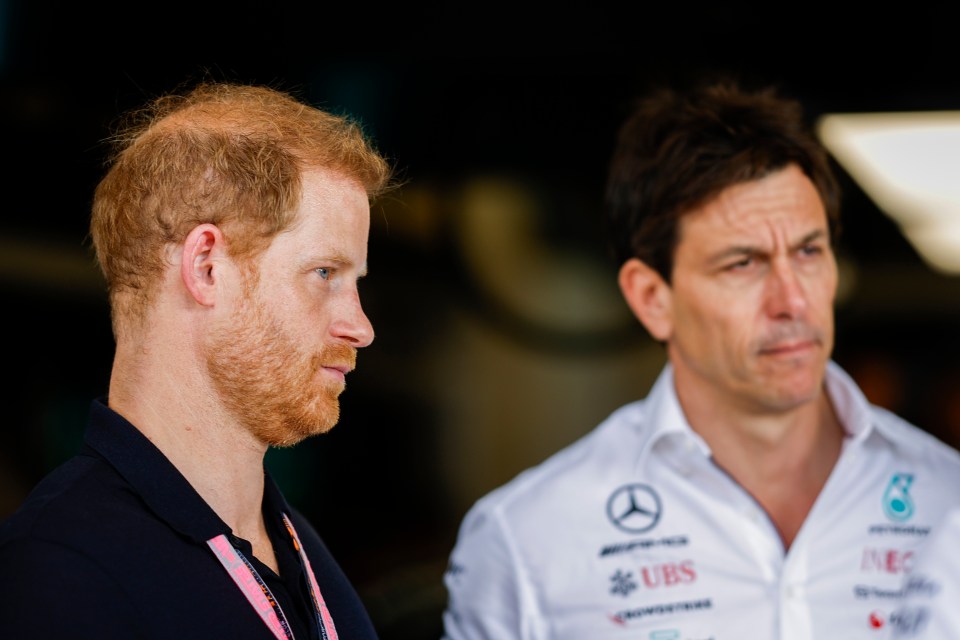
point(633, 532)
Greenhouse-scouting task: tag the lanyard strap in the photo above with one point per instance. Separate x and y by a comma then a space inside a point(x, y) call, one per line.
point(252, 586)
point(259, 595)
point(324, 620)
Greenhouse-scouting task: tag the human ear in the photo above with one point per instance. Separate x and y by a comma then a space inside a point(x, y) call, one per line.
point(198, 268)
point(649, 297)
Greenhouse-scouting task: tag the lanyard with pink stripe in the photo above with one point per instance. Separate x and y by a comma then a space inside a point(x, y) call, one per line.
point(259, 595)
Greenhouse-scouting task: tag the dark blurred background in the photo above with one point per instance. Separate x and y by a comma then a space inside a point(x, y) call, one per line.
point(501, 336)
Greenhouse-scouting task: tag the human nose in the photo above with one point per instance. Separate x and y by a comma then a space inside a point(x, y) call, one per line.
point(353, 326)
point(786, 297)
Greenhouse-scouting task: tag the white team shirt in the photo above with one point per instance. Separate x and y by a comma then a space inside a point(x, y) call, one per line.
point(633, 532)
point(931, 608)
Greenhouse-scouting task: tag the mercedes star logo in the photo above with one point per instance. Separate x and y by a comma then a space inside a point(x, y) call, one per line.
point(634, 508)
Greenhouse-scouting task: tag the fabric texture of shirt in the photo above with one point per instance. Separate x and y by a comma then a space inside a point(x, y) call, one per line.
point(633, 532)
point(113, 544)
point(931, 607)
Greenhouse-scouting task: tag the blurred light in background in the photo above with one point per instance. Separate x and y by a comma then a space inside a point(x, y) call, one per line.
point(908, 163)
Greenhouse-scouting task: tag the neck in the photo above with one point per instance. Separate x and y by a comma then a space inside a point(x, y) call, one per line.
point(160, 383)
point(221, 459)
point(783, 459)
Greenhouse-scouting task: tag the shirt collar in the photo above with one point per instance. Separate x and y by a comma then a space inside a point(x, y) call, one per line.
point(666, 420)
point(667, 423)
point(156, 480)
point(861, 420)
point(849, 403)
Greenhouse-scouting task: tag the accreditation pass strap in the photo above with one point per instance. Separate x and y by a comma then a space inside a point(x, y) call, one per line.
point(259, 595)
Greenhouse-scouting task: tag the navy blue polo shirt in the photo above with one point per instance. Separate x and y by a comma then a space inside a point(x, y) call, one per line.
point(113, 544)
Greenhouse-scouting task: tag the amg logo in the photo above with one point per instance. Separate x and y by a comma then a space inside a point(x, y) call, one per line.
point(624, 547)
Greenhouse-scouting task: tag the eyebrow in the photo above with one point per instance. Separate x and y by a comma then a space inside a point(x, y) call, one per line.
point(747, 250)
point(340, 259)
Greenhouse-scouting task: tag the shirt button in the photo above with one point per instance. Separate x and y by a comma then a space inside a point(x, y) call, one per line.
point(794, 591)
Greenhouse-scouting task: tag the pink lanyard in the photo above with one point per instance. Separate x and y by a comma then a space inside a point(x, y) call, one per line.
point(259, 595)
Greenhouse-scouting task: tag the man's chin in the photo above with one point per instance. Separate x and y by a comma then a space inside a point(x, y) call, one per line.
point(295, 436)
point(792, 394)
point(293, 432)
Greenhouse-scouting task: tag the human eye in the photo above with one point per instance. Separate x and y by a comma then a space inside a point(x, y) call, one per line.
point(324, 272)
point(811, 249)
point(741, 263)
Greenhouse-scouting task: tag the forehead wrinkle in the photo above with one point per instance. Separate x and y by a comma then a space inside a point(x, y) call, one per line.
point(778, 210)
point(754, 250)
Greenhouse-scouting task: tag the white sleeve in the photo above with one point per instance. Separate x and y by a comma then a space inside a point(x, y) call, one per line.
point(931, 605)
point(486, 597)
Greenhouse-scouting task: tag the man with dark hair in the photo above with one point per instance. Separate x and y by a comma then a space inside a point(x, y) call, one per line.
point(754, 493)
point(231, 227)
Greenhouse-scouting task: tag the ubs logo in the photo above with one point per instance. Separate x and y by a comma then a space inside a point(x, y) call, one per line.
point(634, 508)
point(897, 503)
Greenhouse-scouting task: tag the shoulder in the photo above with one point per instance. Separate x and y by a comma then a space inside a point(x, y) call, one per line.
point(864, 420)
point(929, 466)
point(56, 548)
point(913, 442)
point(81, 516)
point(69, 502)
point(491, 578)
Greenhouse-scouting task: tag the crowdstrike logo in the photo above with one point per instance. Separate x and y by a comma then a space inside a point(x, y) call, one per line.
point(630, 615)
point(634, 508)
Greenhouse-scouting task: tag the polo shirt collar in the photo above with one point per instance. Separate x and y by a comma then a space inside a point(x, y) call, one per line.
point(156, 480)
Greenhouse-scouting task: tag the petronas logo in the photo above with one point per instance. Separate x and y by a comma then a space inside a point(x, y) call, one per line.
point(897, 503)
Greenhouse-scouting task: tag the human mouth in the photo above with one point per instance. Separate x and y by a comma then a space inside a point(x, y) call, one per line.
point(339, 371)
point(336, 361)
point(788, 348)
point(790, 342)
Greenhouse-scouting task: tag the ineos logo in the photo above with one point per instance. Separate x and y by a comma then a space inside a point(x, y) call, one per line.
point(634, 508)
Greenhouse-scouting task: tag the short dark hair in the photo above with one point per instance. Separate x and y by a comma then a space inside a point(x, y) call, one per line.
point(677, 150)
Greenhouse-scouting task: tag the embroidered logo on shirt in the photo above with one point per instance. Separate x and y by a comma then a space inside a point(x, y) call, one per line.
point(623, 583)
point(886, 560)
point(634, 508)
point(897, 503)
point(654, 576)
